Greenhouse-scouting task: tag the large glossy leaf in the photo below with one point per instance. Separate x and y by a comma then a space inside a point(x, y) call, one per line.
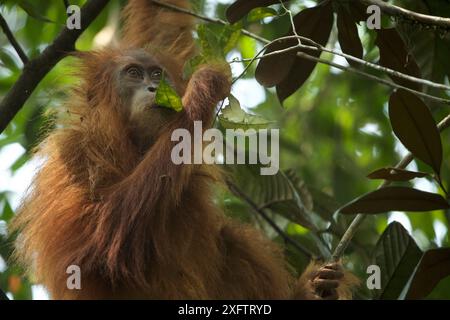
point(414, 125)
point(240, 8)
point(395, 174)
point(274, 192)
point(433, 267)
point(301, 189)
point(324, 204)
point(272, 70)
point(348, 35)
point(395, 199)
point(395, 55)
point(431, 49)
point(432, 52)
point(216, 41)
point(357, 10)
point(314, 23)
point(397, 255)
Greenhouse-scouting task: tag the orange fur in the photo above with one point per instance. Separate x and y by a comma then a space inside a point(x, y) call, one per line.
point(138, 225)
point(148, 25)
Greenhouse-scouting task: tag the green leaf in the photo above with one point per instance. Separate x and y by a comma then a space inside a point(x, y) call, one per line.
point(273, 192)
point(395, 174)
point(433, 267)
point(261, 13)
point(414, 125)
point(430, 49)
point(247, 47)
point(19, 163)
point(395, 55)
point(233, 117)
point(209, 43)
point(348, 35)
point(395, 199)
point(229, 37)
point(8, 212)
point(32, 11)
point(240, 8)
point(287, 71)
point(167, 97)
point(397, 255)
point(441, 290)
point(8, 61)
point(301, 189)
point(192, 65)
point(216, 41)
point(324, 204)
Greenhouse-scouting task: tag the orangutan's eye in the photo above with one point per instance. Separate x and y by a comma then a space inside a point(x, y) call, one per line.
point(156, 74)
point(135, 72)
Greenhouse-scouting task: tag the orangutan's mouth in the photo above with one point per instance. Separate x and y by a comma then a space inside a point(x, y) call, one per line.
point(155, 106)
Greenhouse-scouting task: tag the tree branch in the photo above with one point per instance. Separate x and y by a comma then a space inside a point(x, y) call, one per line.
point(395, 11)
point(235, 189)
point(12, 40)
point(317, 46)
point(36, 69)
point(344, 68)
point(357, 221)
point(372, 77)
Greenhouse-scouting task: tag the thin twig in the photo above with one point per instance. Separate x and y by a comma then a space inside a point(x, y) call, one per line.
point(235, 189)
point(392, 10)
point(12, 40)
point(345, 68)
point(250, 61)
point(391, 72)
point(354, 225)
point(319, 47)
point(291, 18)
point(372, 77)
point(35, 70)
point(66, 3)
